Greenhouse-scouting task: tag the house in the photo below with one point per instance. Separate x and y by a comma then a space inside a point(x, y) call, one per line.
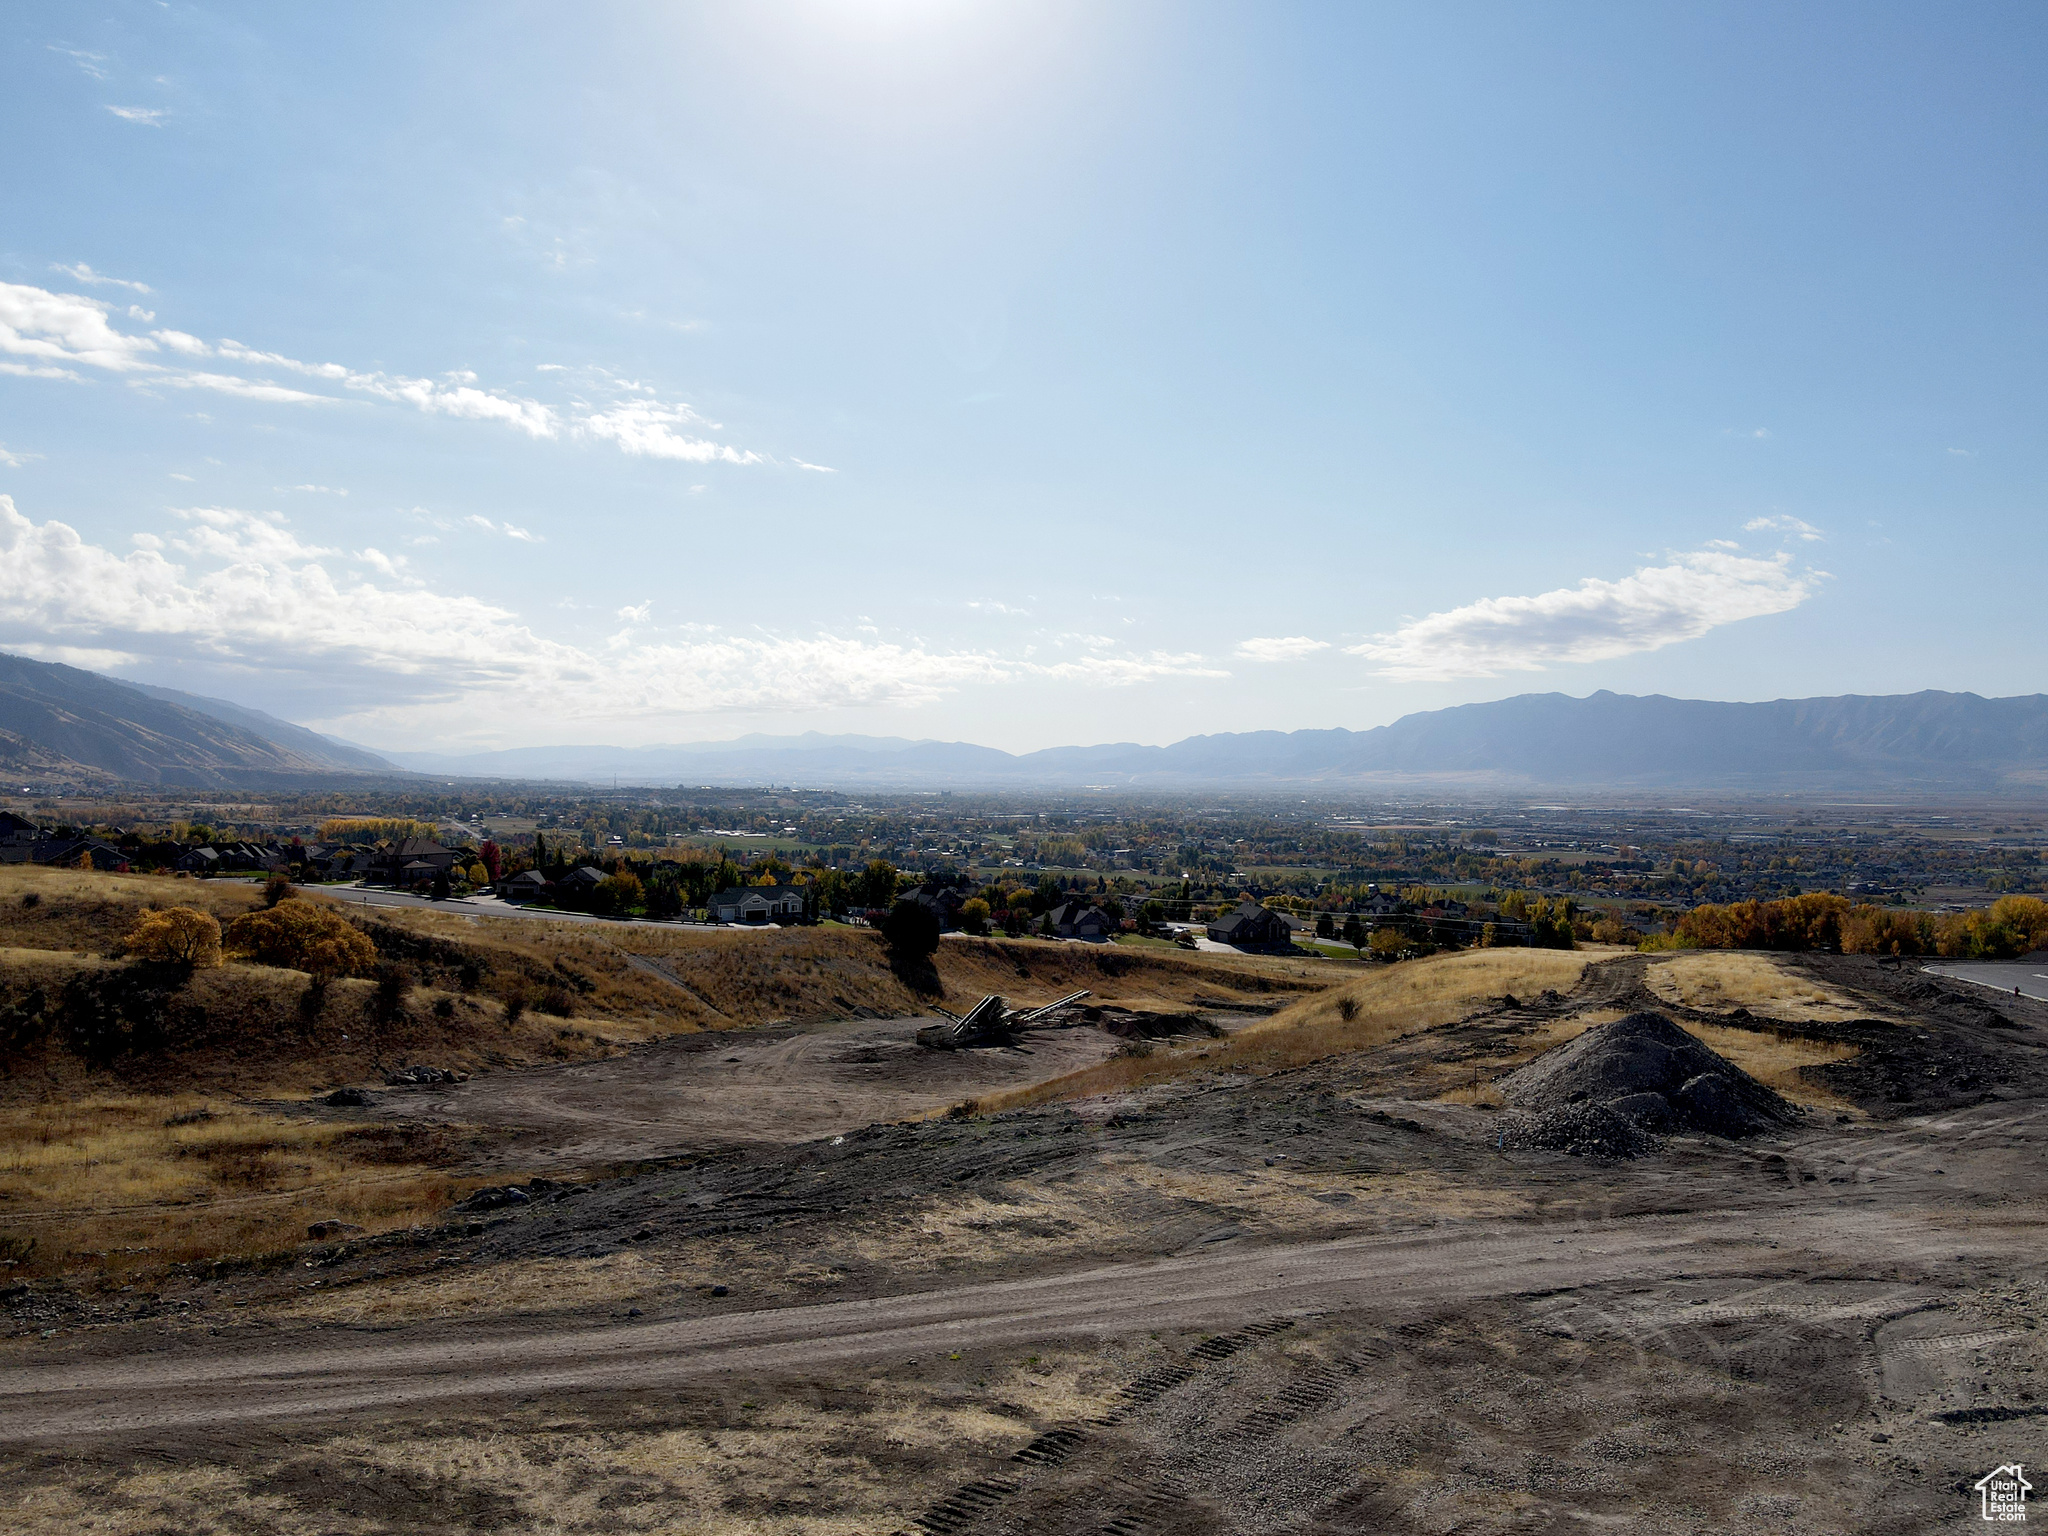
point(17, 836)
point(199, 861)
point(758, 904)
point(1252, 926)
point(944, 899)
point(392, 860)
point(67, 852)
point(1081, 920)
point(524, 886)
point(1378, 903)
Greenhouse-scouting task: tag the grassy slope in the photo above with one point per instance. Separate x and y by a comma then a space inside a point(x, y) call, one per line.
point(161, 1159)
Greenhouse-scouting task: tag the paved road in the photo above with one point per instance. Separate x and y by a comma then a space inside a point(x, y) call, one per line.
point(2029, 977)
point(195, 1386)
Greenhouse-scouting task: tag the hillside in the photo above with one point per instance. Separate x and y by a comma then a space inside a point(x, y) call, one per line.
point(61, 722)
point(324, 750)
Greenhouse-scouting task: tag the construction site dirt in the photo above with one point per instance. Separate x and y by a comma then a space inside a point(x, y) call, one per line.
point(794, 1292)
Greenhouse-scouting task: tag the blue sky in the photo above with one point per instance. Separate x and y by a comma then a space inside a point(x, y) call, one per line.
point(468, 375)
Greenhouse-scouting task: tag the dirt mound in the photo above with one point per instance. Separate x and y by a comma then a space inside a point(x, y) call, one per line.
point(1614, 1089)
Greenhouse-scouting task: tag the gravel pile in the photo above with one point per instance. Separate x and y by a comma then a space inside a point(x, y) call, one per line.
point(1615, 1089)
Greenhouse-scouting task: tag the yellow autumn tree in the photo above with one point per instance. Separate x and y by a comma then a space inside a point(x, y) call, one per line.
point(175, 936)
point(303, 936)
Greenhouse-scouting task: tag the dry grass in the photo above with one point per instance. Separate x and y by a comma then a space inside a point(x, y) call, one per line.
point(1717, 981)
point(89, 912)
point(133, 1183)
point(1777, 1060)
point(737, 1460)
point(1356, 1015)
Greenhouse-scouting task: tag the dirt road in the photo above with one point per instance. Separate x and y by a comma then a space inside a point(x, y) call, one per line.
point(307, 1375)
point(696, 1092)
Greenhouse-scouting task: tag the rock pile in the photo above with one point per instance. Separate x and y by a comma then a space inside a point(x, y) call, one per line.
point(419, 1076)
point(1617, 1087)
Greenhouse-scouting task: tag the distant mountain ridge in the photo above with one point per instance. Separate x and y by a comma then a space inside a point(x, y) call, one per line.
point(1950, 741)
point(59, 722)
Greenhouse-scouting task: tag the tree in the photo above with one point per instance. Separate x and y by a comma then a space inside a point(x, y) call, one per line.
point(442, 885)
point(1326, 926)
point(974, 915)
point(479, 875)
point(617, 893)
point(492, 857)
point(303, 936)
point(1388, 943)
point(878, 884)
point(912, 932)
point(176, 936)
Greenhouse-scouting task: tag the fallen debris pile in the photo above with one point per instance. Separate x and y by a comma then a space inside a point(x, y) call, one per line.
point(1617, 1087)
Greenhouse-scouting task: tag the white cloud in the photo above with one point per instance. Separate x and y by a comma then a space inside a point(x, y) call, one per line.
point(1123, 671)
point(645, 427)
point(88, 62)
point(1595, 621)
point(1962, 453)
point(821, 469)
point(322, 490)
point(506, 529)
point(236, 587)
point(16, 460)
point(990, 605)
point(1791, 527)
point(1281, 648)
point(152, 117)
point(637, 615)
point(26, 371)
point(66, 328)
point(186, 478)
point(58, 329)
point(230, 384)
point(137, 312)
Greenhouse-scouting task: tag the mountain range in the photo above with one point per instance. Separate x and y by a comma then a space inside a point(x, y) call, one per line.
point(59, 722)
point(1945, 741)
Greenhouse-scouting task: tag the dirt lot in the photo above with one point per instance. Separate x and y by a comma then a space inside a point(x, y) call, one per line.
point(1253, 1291)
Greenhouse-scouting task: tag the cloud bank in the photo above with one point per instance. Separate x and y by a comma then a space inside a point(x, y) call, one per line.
point(400, 662)
point(1594, 621)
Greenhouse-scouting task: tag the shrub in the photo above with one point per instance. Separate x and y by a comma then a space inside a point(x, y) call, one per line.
point(394, 981)
point(304, 937)
point(276, 889)
point(175, 936)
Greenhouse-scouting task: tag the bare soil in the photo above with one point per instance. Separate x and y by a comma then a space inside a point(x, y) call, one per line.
point(1323, 1299)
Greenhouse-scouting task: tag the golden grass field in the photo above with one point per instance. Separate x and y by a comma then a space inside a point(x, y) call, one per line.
point(132, 1183)
point(1357, 1013)
point(1720, 980)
